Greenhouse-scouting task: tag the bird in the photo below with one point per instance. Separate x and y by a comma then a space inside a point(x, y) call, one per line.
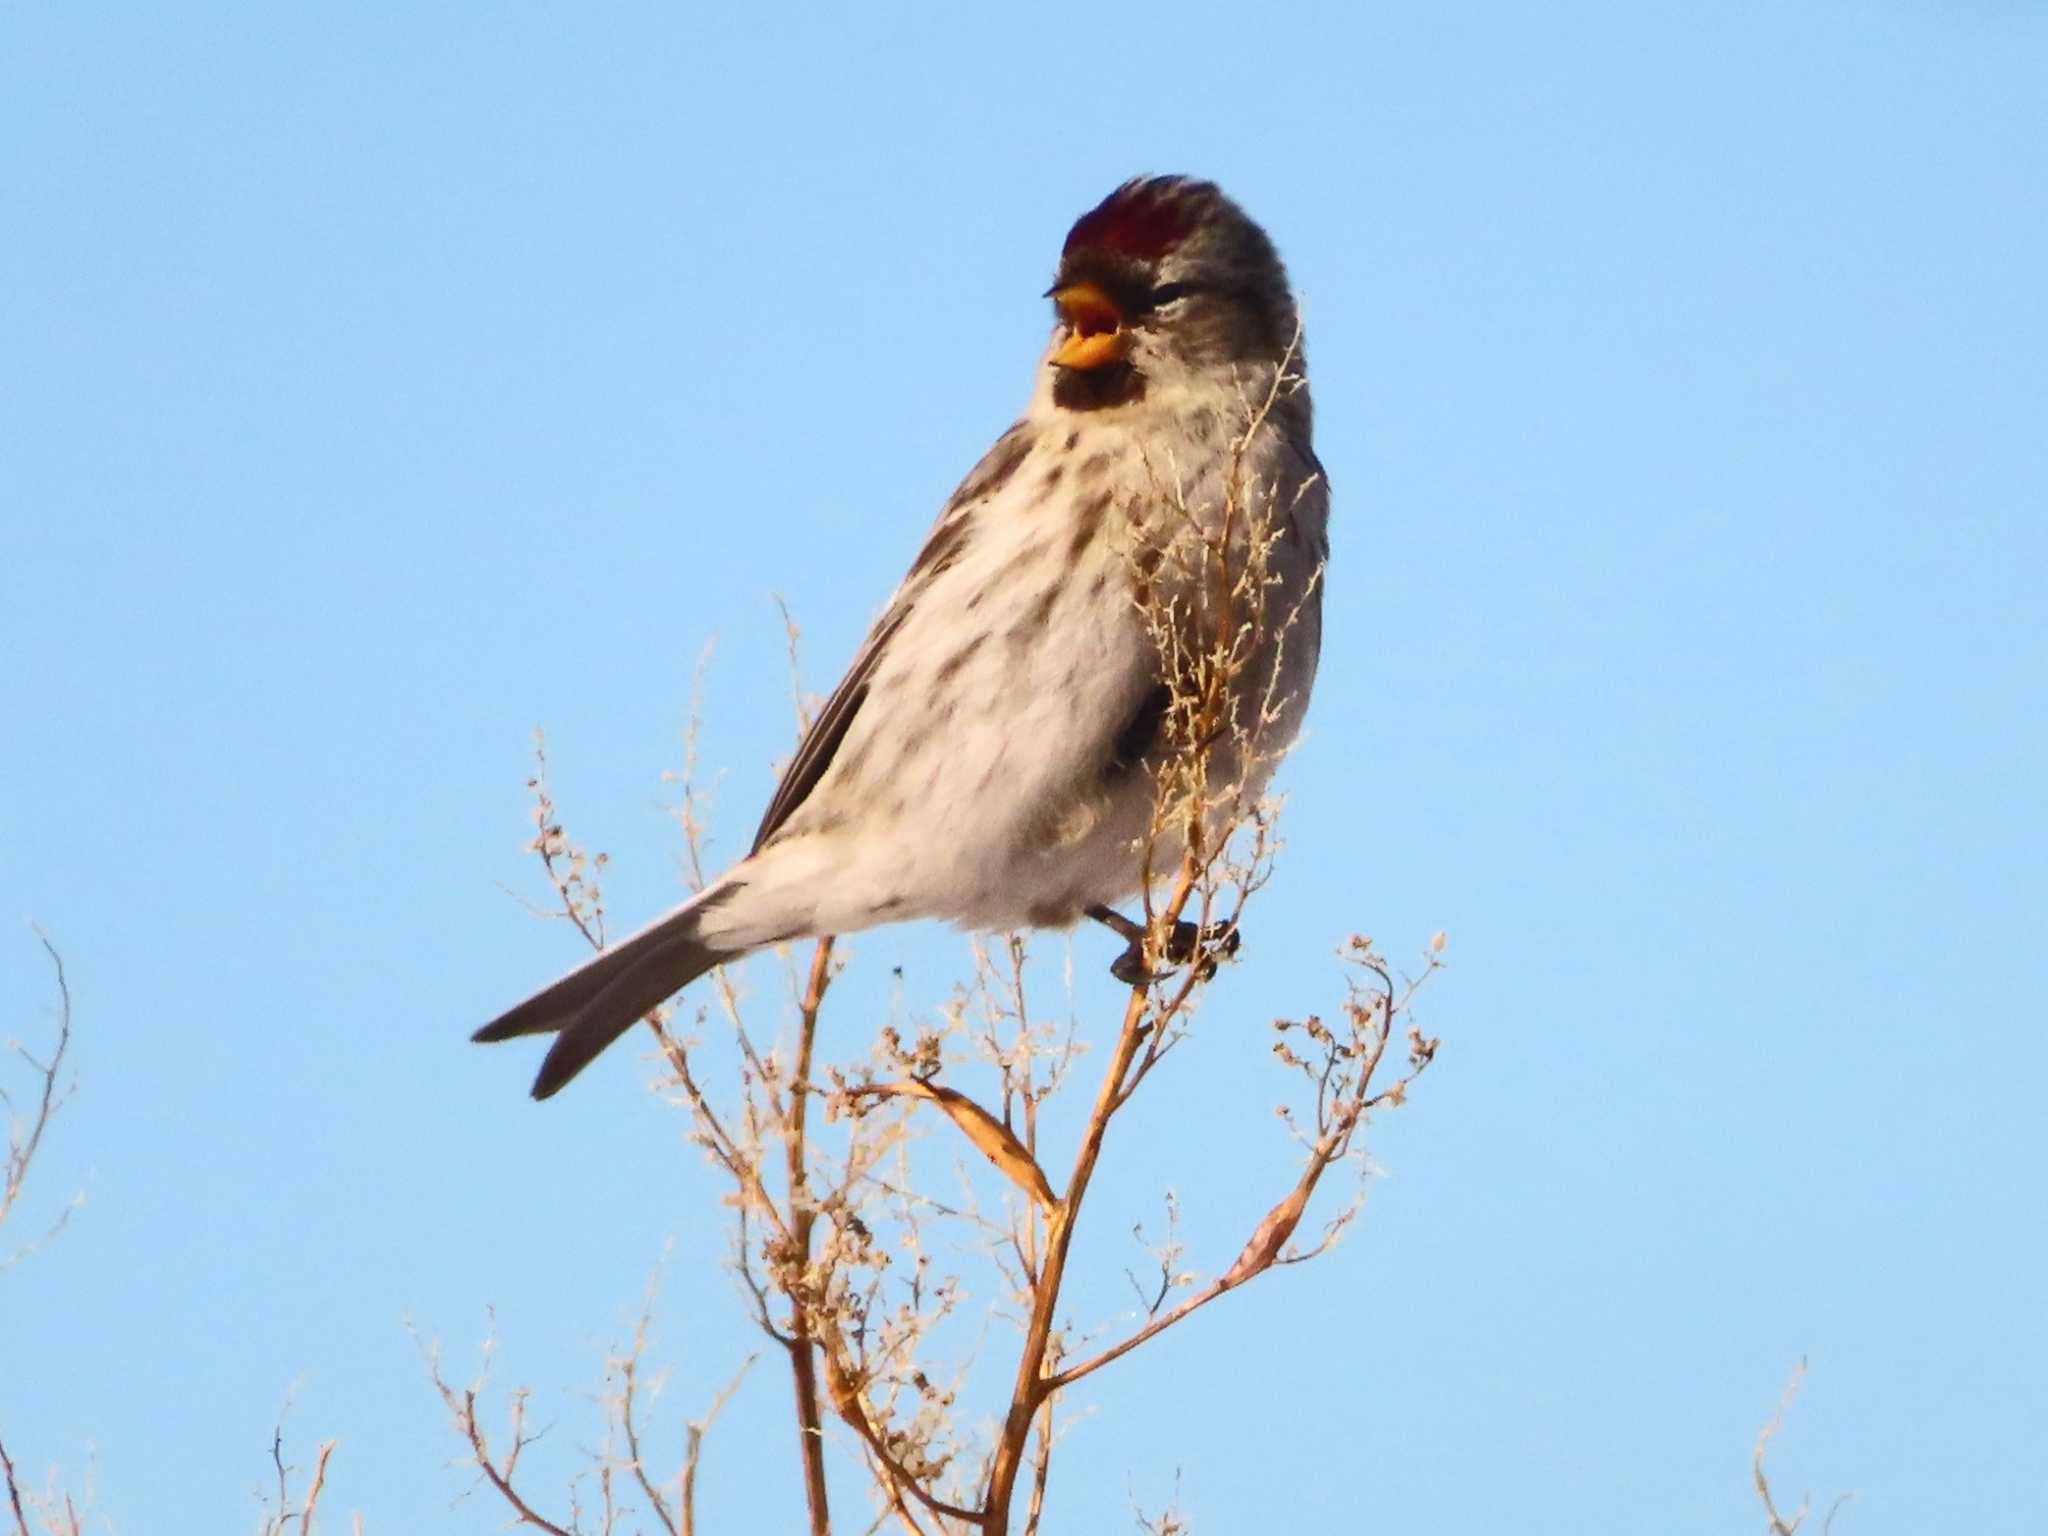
point(989, 758)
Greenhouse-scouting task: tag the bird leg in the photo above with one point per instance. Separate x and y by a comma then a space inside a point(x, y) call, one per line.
point(1188, 941)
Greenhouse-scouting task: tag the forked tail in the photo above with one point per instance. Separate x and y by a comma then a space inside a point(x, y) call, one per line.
point(599, 1001)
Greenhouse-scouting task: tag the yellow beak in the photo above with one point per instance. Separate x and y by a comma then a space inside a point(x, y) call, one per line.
point(1095, 324)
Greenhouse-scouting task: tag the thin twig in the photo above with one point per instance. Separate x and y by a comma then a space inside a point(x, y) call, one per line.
point(502, 1480)
point(1780, 1524)
point(853, 1409)
point(629, 1372)
point(462, 1407)
point(695, 1431)
point(13, 1492)
point(312, 1505)
point(1041, 1468)
point(22, 1146)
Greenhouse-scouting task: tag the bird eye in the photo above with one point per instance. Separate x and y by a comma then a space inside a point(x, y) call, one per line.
point(1168, 293)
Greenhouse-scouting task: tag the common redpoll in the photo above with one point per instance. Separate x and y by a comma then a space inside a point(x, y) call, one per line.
point(991, 756)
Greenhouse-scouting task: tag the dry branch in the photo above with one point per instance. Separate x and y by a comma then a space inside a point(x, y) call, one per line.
point(1781, 1524)
point(47, 1097)
point(843, 1248)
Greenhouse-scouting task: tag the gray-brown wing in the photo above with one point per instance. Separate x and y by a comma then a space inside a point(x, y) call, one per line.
point(822, 741)
point(942, 547)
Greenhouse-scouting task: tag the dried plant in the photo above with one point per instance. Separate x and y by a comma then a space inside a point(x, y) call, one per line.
point(30, 1117)
point(852, 1223)
point(601, 1501)
point(281, 1509)
point(1780, 1524)
point(849, 1221)
point(54, 1510)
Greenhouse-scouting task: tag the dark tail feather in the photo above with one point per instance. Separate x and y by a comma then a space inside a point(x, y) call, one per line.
point(595, 1004)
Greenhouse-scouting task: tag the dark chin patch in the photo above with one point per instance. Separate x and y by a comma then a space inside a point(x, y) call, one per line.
point(1096, 389)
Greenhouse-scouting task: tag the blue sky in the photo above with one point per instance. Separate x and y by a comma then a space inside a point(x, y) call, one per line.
point(377, 384)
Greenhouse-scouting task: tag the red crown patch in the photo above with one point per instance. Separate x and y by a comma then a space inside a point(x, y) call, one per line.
point(1144, 219)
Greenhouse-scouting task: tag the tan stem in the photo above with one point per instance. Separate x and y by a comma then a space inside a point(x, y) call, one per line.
point(1032, 1386)
point(803, 1362)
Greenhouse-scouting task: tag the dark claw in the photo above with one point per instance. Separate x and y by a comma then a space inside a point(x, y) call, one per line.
point(1129, 967)
point(1219, 941)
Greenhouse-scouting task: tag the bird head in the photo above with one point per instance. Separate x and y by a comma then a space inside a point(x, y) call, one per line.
point(1164, 279)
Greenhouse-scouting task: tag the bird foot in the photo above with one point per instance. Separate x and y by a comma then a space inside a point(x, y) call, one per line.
point(1187, 943)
